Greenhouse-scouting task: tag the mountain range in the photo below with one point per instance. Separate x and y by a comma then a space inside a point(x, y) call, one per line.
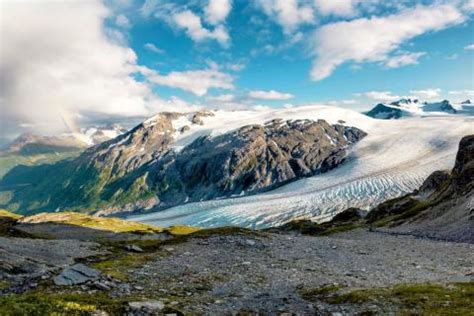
point(253, 168)
point(413, 107)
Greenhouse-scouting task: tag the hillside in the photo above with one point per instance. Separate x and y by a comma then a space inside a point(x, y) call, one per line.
point(443, 207)
point(146, 168)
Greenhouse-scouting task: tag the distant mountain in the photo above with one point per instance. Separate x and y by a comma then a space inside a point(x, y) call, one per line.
point(412, 107)
point(31, 144)
point(157, 165)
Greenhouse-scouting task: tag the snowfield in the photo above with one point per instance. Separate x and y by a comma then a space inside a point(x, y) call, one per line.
point(394, 159)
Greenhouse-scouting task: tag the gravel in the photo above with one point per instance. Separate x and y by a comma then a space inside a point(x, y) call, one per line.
point(264, 272)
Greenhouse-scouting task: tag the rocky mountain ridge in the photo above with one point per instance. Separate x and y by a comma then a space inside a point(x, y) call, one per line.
point(142, 169)
point(413, 107)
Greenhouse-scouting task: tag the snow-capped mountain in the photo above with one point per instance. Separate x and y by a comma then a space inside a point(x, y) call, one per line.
point(176, 158)
point(413, 107)
point(29, 143)
point(253, 168)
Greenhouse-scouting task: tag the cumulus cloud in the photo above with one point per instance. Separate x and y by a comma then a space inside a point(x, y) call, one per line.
point(57, 64)
point(462, 95)
point(191, 22)
point(122, 21)
point(217, 11)
point(373, 39)
point(185, 17)
point(427, 94)
point(380, 96)
point(153, 48)
point(336, 7)
point(405, 59)
point(197, 82)
point(290, 14)
point(222, 98)
point(269, 95)
point(469, 47)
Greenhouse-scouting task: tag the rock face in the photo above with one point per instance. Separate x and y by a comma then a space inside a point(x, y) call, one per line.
point(140, 169)
point(382, 111)
point(444, 205)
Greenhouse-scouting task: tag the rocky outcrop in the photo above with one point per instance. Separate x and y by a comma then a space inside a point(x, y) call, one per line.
point(382, 111)
point(443, 207)
point(141, 170)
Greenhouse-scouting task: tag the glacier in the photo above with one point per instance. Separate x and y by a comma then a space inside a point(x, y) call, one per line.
point(394, 159)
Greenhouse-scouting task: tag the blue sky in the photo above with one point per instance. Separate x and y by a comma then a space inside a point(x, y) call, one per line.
point(272, 58)
point(83, 62)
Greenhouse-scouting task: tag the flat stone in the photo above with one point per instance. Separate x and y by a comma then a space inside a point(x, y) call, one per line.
point(76, 274)
point(147, 306)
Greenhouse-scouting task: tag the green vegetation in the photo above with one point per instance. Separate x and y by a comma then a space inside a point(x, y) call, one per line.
point(41, 303)
point(9, 161)
point(316, 294)
point(408, 211)
point(9, 215)
point(409, 299)
point(101, 223)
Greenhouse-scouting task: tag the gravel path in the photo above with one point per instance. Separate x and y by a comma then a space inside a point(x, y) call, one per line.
point(227, 274)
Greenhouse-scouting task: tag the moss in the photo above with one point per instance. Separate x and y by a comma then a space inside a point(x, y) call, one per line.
point(413, 209)
point(6, 214)
point(182, 230)
point(41, 303)
point(319, 293)
point(119, 264)
point(409, 299)
point(4, 284)
point(101, 223)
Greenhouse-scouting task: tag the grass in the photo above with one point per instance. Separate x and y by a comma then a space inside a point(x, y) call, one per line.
point(9, 161)
point(101, 223)
point(41, 303)
point(9, 215)
point(408, 299)
point(319, 293)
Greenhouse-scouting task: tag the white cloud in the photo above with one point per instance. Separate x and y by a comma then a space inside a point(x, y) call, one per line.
point(222, 98)
point(269, 95)
point(404, 59)
point(336, 7)
point(469, 47)
point(57, 64)
point(290, 14)
point(462, 95)
point(197, 32)
point(380, 96)
point(236, 67)
point(197, 82)
point(427, 94)
point(122, 21)
point(152, 48)
point(217, 11)
point(373, 39)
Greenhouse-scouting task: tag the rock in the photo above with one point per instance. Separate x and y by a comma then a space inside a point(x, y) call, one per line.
point(250, 242)
point(133, 248)
point(76, 274)
point(185, 128)
point(146, 306)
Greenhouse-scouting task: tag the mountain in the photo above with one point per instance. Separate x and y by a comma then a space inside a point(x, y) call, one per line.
point(414, 108)
point(156, 165)
point(443, 207)
point(31, 144)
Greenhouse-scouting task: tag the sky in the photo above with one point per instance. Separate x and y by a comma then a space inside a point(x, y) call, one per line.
point(66, 64)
